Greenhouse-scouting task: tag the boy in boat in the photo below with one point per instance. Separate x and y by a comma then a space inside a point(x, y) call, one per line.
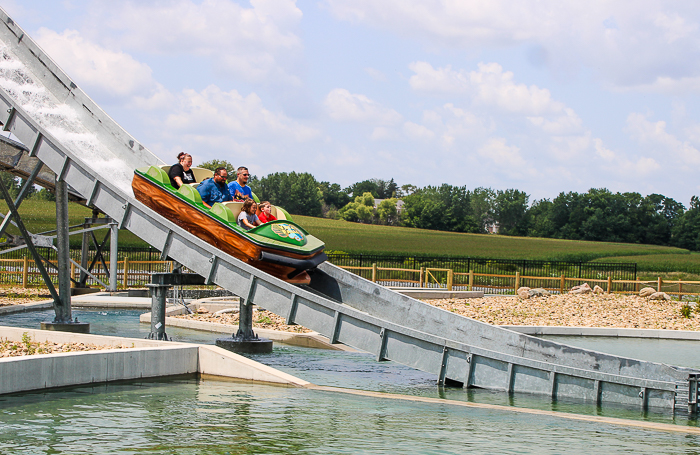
point(214, 189)
point(266, 212)
point(247, 219)
point(181, 173)
point(239, 188)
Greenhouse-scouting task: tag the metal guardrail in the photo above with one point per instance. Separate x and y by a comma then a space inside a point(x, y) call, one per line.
point(338, 304)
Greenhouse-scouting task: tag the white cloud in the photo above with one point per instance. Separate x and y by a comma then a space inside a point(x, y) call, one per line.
point(382, 133)
point(653, 136)
point(415, 131)
point(568, 123)
point(343, 106)
point(629, 43)
point(500, 153)
point(376, 74)
point(232, 115)
point(255, 43)
point(94, 67)
point(489, 86)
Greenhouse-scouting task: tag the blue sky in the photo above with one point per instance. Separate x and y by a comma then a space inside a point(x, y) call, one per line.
point(542, 96)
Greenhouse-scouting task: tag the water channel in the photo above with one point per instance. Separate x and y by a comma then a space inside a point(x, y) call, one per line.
point(193, 416)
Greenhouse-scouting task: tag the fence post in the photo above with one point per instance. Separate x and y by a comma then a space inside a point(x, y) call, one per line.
point(517, 281)
point(471, 279)
point(126, 272)
point(660, 281)
point(636, 286)
point(374, 272)
point(421, 277)
point(25, 272)
point(450, 277)
point(609, 285)
point(72, 275)
point(680, 290)
point(562, 284)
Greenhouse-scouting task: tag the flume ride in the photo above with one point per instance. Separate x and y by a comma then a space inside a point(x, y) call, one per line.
point(281, 248)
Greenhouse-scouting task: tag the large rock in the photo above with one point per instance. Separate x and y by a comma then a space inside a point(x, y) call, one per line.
point(539, 292)
point(598, 290)
point(581, 289)
point(523, 292)
point(659, 296)
point(646, 292)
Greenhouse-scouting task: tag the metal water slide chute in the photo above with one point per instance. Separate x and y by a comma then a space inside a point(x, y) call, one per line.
point(346, 308)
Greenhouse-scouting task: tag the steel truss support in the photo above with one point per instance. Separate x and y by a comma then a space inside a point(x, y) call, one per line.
point(29, 244)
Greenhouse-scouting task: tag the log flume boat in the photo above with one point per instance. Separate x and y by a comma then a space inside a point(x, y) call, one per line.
point(281, 248)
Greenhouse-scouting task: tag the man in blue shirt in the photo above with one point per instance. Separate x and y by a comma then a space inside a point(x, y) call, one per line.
point(214, 189)
point(239, 188)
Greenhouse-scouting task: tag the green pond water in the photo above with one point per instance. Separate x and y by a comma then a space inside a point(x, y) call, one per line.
point(190, 416)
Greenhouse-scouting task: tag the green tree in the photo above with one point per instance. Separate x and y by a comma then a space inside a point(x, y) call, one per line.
point(212, 165)
point(298, 193)
point(482, 205)
point(387, 212)
point(361, 210)
point(510, 211)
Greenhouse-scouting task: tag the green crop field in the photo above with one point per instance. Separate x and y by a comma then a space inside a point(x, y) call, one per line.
point(354, 237)
point(40, 216)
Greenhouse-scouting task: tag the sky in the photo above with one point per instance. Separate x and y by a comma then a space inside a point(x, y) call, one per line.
point(544, 96)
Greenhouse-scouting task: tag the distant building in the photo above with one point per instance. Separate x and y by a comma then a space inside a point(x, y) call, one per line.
point(399, 204)
point(492, 228)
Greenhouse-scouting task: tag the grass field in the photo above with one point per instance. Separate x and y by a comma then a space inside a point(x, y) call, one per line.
point(40, 216)
point(354, 237)
point(349, 237)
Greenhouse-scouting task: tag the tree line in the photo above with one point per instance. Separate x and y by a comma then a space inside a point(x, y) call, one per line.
point(597, 215)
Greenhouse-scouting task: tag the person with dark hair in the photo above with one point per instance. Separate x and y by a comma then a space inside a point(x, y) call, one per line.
point(181, 173)
point(214, 190)
point(239, 188)
point(266, 212)
point(247, 219)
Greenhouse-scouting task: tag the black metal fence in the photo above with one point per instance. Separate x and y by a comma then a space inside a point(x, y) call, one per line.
point(591, 270)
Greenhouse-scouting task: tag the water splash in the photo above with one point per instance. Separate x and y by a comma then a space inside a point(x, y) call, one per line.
point(61, 121)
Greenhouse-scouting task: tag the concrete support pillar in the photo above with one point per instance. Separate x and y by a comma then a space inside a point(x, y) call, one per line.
point(158, 301)
point(113, 253)
point(62, 307)
point(245, 322)
point(245, 340)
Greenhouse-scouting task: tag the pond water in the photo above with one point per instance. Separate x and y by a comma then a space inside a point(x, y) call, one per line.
point(192, 416)
point(212, 417)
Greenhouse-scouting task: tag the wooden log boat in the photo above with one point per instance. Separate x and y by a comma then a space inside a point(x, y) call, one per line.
point(281, 248)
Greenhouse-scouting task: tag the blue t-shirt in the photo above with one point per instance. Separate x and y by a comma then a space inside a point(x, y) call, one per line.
point(212, 192)
point(244, 190)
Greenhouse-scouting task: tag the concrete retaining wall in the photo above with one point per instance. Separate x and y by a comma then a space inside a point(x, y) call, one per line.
point(146, 359)
point(606, 332)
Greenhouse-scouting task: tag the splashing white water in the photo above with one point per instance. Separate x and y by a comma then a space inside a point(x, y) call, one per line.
point(61, 121)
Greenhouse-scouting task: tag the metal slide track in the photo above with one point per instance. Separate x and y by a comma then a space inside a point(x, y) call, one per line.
point(338, 304)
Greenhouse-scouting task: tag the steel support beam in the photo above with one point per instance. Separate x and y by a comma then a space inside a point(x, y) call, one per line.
point(63, 306)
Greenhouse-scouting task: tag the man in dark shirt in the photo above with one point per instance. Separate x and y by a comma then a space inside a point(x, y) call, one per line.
point(214, 190)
